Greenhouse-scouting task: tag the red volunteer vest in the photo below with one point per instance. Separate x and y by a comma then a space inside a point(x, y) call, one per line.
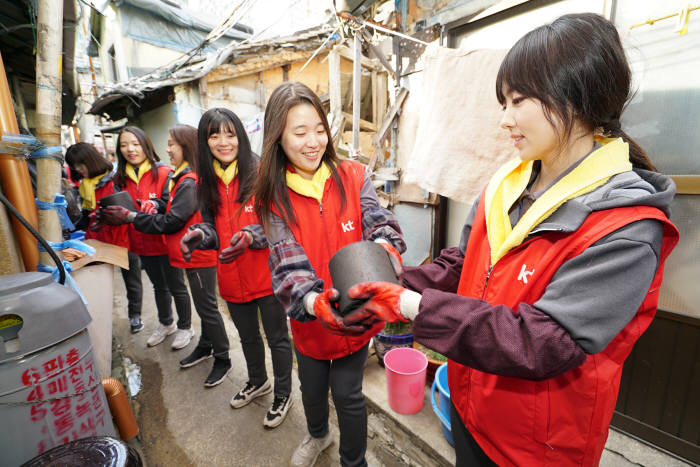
point(562, 420)
point(247, 277)
point(322, 230)
point(142, 243)
point(200, 258)
point(114, 234)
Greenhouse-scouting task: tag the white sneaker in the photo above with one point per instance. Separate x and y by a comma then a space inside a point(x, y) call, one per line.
point(182, 338)
point(309, 449)
point(277, 413)
point(246, 395)
point(161, 332)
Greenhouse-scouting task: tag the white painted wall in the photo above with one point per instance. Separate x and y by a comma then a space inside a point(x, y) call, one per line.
point(156, 123)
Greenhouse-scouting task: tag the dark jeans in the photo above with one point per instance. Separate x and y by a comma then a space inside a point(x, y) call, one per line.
point(468, 451)
point(132, 282)
point(274, 321)
point(202, 287)
point(168, 281)
point(344, 377)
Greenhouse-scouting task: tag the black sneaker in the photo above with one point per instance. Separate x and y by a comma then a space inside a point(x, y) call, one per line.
point(218, 372)
point(250, 392)
point(136, 324)
point(198, 355)
point(275, 416)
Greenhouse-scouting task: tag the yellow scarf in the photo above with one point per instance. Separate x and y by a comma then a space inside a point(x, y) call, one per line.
point(87, 191)
point(228, 174)
point(142, 170)
point(182, 167)
point(511, 179)
point(312, 188)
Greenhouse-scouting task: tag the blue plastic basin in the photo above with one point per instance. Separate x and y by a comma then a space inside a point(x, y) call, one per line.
point(442, 406)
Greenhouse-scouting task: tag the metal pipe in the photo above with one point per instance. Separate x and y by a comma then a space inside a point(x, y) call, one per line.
point(120, 408)
point(16, 184)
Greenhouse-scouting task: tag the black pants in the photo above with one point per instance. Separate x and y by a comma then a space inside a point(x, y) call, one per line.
point(202, 287)
point(344, 378)
point(468, 451)
point(168, 281)
point(274, 321)
point(132, 282)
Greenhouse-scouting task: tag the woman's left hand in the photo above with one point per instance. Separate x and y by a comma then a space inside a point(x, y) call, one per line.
point(325, 308)
point(239, 242)
point(149, 207)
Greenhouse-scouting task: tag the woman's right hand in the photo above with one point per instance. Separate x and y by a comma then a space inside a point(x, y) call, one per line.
point(190, 242)
point(95, 224)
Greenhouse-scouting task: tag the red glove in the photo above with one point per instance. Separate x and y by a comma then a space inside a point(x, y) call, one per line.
point(190, 242)
point(116, 215)
point(326, 311)
point(395, 258)
point(149, 207)
point(239, 242)
point(383, 300)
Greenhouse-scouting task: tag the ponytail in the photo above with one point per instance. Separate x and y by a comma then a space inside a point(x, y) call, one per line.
point(638, 158)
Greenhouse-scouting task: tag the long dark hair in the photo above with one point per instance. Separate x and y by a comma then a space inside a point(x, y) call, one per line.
point(576, 67)
point(90, 157)
point(186, 137)
point(213, 121)
point(271, 188)
point(120, 178)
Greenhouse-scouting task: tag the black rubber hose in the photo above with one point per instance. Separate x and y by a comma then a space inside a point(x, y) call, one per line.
point(44, 243)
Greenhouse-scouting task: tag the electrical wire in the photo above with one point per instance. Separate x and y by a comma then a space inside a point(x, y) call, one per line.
point(40, 239)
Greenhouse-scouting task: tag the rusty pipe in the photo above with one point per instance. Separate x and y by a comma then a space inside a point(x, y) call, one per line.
point(14, 177)
point(120, 408)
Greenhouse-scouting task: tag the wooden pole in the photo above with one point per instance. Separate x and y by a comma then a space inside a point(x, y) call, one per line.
point(48, 113)
point(19, 100)
point(356, 95)
point(334, 95)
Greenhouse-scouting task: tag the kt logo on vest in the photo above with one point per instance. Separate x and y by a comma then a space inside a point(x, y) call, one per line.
point(524, 274)
point(248, 208)
point(348, 226)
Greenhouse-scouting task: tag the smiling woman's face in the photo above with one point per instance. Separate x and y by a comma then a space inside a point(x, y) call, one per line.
point(224, 145)
point(304, 139)
point(533, 135)
point(131, 149)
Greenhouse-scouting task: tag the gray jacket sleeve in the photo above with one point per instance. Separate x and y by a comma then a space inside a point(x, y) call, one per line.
point(594, 295)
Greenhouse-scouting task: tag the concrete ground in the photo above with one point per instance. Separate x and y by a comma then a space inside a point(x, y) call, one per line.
point(183, 423)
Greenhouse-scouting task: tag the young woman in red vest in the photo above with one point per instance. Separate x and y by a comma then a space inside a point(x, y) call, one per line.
point(560, 263)
point(96, 182)
point(312, 205)
point(178, 213)
point(145, 178)
point(227, 168)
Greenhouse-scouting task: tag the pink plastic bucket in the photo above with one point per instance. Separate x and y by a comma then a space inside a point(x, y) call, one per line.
point(405, 379)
